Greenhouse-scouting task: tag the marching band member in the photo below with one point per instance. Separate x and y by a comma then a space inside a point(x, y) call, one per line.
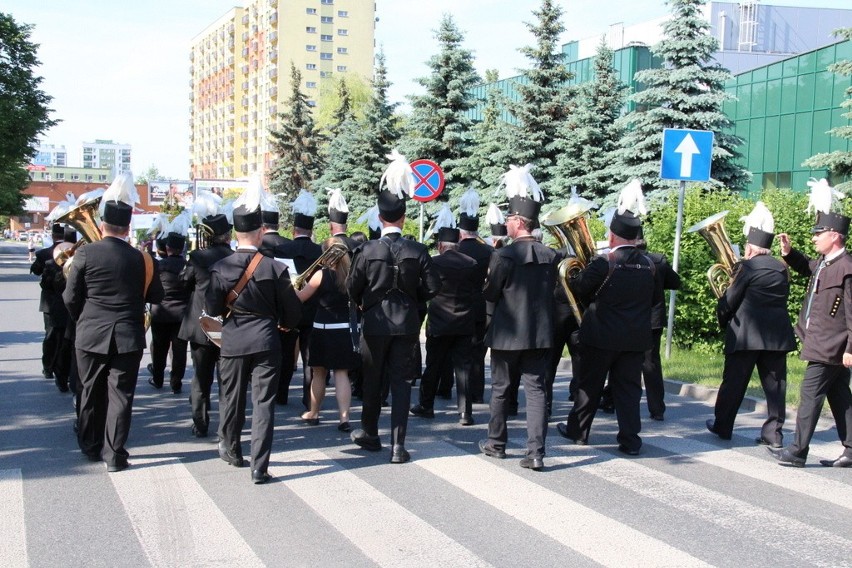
point(47, 300)
point(494, 218)
point(271, 217)
point(338, 214)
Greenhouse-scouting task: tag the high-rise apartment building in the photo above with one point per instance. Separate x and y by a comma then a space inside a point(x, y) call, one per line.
point(107, 154)
point(50, 155)
point(240, 74)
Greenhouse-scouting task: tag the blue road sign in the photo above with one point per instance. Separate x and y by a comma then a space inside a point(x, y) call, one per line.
point(687, 154)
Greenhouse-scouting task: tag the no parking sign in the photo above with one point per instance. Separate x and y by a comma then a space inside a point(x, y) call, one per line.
point(428, 180)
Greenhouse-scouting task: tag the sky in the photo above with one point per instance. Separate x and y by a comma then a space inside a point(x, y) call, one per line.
point(120, 70)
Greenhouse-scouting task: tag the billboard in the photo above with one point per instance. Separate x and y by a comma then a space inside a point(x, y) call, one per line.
point(225, 188)
point(182, 191)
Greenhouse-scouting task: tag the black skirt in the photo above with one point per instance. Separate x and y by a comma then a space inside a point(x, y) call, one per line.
point(332, 349)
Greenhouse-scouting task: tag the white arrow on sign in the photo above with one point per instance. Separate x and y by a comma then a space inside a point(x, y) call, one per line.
point(686, 149)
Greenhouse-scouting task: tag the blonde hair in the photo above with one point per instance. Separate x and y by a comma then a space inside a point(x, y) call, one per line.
point(341, 269)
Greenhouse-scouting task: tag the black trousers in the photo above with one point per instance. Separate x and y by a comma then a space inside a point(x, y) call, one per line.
point(50, 344)
point(439, 350)
point(108, 383)
point(204, 359)
point(739, 366)
point(387, 356)
point(652, 374)
point(164, 337)
point(625, 372)
point(529, 366)
point(565, 326)
point(302, 335)
point(262, 371)
point(476, 375)
point(823, 381)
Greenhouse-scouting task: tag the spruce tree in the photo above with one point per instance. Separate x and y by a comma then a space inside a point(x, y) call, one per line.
point(296, 144)
point(544, 100)
point(588, 138)
point(439, 127)
point(687, 92)
point(839, 163)
point(343, 110)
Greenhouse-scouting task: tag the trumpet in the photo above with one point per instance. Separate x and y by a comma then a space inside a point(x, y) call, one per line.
point(713, 230)
point(329, 258)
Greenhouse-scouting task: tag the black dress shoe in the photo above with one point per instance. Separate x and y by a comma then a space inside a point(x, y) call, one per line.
point(445, 395)
point(61, 384)
point(477, 400)
point(344, 427)
point(199, 432)
point(400, 454)
point(153, 384)
point(366, 441)
point(562, 428)
point(491, 451)
point(229, 456)
point(176, 388)
point(465, 419)
point(259, 477)
point(711, 426)
point(93, 456)
point(117, 466)
point(512, 410)
point(761, 441)
point(422, 411)
point(842, 461)
point(385, 403)
point(657, 417)
point(535, 464)
point(784, 456)
point(150, 368)
point(628, 451)
point(47, 373)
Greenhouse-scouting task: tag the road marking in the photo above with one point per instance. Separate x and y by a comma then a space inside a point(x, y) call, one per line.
point(381, 528)
point(793, 479)
point(13, 543)
point(571, 524)
point(175, 520)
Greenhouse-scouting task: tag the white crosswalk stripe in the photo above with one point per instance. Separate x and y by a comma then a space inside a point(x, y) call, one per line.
point(13, 543)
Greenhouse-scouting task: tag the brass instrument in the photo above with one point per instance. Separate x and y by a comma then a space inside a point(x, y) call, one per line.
point(328, 258)
point(713, 230)
point(570, 228)
point(84, 218)
point(203, 236)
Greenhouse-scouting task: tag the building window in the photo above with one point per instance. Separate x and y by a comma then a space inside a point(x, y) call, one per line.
point(311, 66)
point(325, 56)
point(325, 37)
point(325, 74)
point(342, 50)
point(342, 14)
point(326, 19)
point(310, 30)
point(89, 177)
point(311, 47)
point(342, 32)
point(75, 177)
point(310, 11)
point(326, 1)
point(102, 177)
point(60, 176)
point(312, 103)
point(311, 84)
point(341, 68)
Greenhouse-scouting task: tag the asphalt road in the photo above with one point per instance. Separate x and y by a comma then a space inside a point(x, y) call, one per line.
point(689, 499)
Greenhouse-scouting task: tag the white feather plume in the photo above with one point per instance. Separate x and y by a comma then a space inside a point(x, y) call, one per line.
point(444, 218)
point(759, 218)
point(250, 198)
point(631, 199)
point(181, 223)
point(305, 204)
point(823, 197)
point(607, 218)
point(469, 202)
point(121, 189)
point(518, 182)
point(227, 209)
point(494, 216)
point(398, 176)
point(206, 204)
point(578, 203)
point(159, 226)
point(371, 217)
point(336, 201)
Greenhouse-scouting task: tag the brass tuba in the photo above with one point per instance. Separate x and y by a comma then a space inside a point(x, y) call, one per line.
point(570, 228)
point(84, 218)
point(713, 230)
point(329, 258)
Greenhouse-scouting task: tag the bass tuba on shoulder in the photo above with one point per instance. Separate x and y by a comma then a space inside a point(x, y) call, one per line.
point(713, 230)
point(84, 218)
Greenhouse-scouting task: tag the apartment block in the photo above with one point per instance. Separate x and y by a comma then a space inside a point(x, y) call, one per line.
point(106, 154)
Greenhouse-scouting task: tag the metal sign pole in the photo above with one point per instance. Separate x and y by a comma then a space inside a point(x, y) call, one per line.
point(675, 262)
point(421, 223)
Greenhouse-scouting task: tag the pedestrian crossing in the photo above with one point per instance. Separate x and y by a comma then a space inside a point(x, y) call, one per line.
point(452, 506)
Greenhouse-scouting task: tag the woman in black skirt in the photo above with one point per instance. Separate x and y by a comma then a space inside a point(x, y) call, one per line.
point(330, 345)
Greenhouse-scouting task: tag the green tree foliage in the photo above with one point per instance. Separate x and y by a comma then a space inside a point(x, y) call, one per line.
point(296, 144)
point(357, 90)
point(24, 113)
point(439, 127)
point(151, 174)
point(839, 163)
point(687, 92)
point(544, 100)
point(589, 137)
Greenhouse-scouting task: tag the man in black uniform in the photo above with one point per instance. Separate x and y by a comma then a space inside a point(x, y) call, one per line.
point(167, 316)
point(47, 299)
point(338, 215)
point(520, 285)
point(753, 312)
point(205, 353)
point(53, 281)
point(251, 345)
point(615, 333)
point(387, 280)
point(303, 252)
point(107, 288)
point(450, 325)
point(825, 329)
point(271, 216)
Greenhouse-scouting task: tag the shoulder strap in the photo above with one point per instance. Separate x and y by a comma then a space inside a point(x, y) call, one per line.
point(149, 271)
point(241, 283)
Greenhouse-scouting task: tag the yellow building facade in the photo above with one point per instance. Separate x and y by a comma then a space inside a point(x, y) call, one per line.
point(240, 74)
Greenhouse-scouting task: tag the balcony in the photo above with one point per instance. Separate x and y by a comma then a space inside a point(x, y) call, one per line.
point(273, 36)
point(273, 92)
point(245, 101)
point(245, 85)
point(245, 36)
point(245, 52)
point(273, 73)
point(273, 17)
point(244, 119)
point(273, 55)
point(245, 69)
point(245, 19)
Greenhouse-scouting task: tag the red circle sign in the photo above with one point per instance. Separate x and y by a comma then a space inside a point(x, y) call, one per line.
point(428, 178)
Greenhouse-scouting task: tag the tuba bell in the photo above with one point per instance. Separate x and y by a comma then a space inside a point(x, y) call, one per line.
point(713, 230)
point(84, 218)
point(571, 229)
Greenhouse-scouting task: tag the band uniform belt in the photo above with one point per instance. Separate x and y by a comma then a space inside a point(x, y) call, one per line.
point(331, 325)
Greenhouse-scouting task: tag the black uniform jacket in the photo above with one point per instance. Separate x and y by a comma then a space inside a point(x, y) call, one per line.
point(665, 278)
point(520, 284)
point(53, 282)
point(47, 298)
point(266, 302)
point(176, 296)
point(105, 296)
point(829, 334)
point(452, 310)
point(304, 252)
point(196, 278)
point(618, 317)
point(754, 307)
point(389, 302)
point(481, 253)
point(350, 243)
point(271, 241)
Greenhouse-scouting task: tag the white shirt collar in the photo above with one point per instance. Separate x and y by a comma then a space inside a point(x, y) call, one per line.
point(391, 230)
